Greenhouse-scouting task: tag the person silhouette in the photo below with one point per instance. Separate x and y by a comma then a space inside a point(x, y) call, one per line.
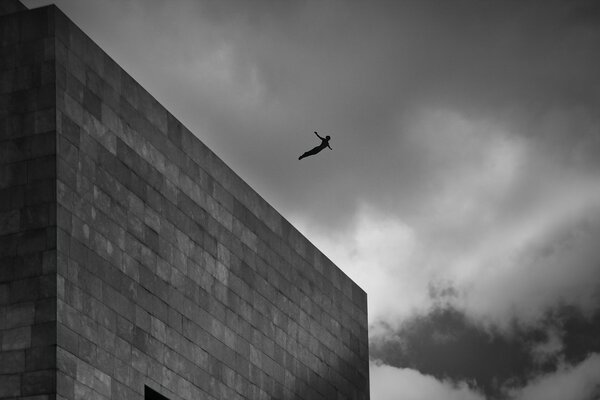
point(315, 150)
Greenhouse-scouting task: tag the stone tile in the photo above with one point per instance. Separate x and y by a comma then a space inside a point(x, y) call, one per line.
point(10, 385)
point(65, 386)
point(43, 357)
point(16, 338)
point(12, 362)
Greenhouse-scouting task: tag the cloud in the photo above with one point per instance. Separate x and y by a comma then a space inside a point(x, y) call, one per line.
point(389, 383)
point(551, 257)
point(448, 344)
point(550, 349)
point(569, 382)
point(379, 253)
point(494, 263)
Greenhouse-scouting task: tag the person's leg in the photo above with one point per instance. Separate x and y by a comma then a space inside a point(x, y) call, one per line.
point(310, 152)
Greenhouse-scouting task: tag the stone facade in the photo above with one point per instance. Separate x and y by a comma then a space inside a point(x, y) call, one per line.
point(27, 204)
point(133, 262)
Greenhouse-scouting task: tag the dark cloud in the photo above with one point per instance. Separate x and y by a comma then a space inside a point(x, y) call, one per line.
point(446, 344)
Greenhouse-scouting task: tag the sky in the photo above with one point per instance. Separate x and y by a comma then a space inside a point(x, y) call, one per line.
point(463, 189)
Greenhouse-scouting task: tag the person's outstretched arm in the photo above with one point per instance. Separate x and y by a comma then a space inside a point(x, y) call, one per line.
point(329, 146)
point(318, 136)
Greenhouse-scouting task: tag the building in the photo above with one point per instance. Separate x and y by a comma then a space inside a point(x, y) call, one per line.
point(133, 262)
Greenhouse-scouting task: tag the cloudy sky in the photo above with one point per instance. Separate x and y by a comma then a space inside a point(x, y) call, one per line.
point(463, 188)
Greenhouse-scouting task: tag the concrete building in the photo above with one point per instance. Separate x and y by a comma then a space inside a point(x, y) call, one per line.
point(134, 264)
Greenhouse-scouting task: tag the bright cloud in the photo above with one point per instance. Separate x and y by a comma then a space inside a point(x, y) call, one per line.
point(577, 382)
point(389, 383)
point(380, 253)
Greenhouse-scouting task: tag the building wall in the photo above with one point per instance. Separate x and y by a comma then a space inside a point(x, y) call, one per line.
point(11, 6)
point(27, 204)
point(172, 272)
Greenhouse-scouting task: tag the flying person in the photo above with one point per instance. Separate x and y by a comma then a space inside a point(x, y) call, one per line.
point(315, 150)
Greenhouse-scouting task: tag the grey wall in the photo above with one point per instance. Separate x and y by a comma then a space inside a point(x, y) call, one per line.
point(171, 271)
point(27, 205)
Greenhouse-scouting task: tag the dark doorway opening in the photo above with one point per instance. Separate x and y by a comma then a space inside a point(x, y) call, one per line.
point(151, 394)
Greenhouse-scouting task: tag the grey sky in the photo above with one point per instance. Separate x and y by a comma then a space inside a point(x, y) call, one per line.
point(464, 174)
